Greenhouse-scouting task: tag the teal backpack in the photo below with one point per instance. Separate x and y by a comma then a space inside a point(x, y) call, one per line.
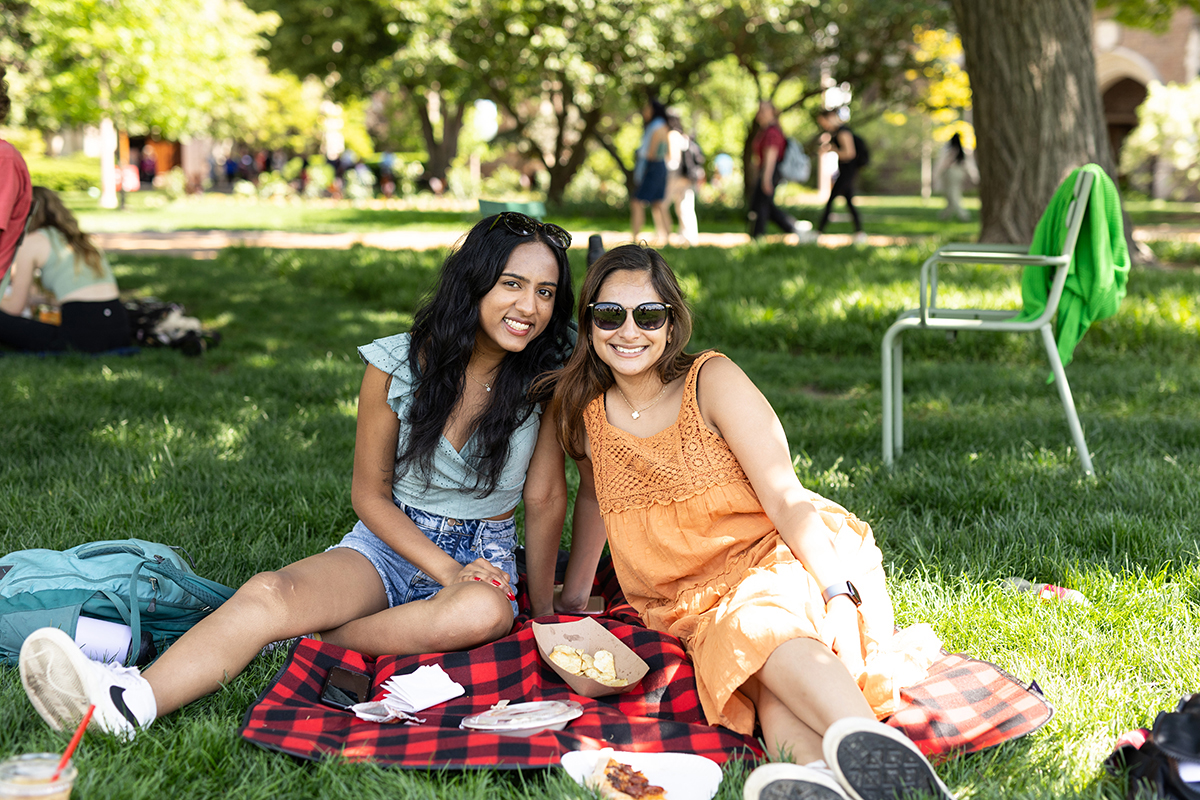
point(145, 585)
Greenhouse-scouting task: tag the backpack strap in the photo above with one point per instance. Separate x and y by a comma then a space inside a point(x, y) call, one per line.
point(130, 613)
point(204, 591)
point(129, 609)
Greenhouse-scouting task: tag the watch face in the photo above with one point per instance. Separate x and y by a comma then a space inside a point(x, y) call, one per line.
point(854, 595)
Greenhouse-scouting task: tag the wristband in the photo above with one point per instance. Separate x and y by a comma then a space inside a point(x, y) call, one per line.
point(847, 588)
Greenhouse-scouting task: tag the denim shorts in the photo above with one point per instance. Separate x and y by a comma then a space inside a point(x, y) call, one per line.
point(463, 539)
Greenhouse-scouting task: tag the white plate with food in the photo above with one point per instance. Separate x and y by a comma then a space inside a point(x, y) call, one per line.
point(682, 776)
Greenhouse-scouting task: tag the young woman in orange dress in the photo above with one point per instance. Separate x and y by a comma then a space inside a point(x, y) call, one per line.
point(777, 593)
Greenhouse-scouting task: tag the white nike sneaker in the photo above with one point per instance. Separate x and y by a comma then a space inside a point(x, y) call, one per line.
point(62, 682)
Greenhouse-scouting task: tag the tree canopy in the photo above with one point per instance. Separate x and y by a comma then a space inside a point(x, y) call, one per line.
point(130, 61)
point(1153, 14)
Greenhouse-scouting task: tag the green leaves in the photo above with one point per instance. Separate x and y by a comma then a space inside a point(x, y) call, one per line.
point(180, 67)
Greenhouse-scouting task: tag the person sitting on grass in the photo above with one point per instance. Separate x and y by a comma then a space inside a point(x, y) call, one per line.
point(73, 271)
point(776, 592)
point(449, 439)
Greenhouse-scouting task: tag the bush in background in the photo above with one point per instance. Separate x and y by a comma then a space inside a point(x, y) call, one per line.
point(74, 173)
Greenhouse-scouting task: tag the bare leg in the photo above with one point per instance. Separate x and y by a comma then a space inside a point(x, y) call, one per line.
point(801, 690)
point(459, 617)
point(637, 217)
point(662, 221)
point(315, 594)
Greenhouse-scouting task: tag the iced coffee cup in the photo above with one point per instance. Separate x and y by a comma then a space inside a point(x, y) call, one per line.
point(29, 776)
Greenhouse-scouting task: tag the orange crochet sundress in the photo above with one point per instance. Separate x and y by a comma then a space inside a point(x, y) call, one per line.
point(698, 558)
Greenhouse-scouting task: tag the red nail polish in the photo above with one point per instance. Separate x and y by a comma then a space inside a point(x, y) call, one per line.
point(495, 582)
point(476, 578)
point(511, 596)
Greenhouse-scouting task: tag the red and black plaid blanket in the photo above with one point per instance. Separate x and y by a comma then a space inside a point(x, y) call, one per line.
point(963, 706)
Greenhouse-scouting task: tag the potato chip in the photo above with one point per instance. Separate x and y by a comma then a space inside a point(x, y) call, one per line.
point(601, 668)
point(568, 658)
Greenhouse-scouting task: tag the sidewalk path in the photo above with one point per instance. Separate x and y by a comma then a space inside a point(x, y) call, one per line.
point(207, 243)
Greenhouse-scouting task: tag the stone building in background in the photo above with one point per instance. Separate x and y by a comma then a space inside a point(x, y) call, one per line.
point(1129, 59)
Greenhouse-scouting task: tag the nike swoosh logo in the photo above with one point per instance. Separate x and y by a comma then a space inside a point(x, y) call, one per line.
point(117, 695)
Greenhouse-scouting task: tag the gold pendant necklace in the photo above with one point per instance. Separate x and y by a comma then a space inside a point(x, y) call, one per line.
point(487, 386)
point(637, 412)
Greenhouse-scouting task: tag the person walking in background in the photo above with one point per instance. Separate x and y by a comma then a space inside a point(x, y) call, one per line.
point(683, 176)
point(70, 268)
point(766, 152)
point(650, 173)
point(954, 166)
point(16, 189)
point(852, 156)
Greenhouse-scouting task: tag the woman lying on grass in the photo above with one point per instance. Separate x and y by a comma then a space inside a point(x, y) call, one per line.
point(449, 440)
point(777, 593)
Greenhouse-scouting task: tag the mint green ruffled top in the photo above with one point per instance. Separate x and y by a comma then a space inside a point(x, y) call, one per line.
point(450, 489)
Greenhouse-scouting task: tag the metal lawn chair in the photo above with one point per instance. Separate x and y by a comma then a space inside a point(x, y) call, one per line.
point(931, 317)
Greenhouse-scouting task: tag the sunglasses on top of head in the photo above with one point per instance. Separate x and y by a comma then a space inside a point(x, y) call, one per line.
point(523, 225)
point(647, 316)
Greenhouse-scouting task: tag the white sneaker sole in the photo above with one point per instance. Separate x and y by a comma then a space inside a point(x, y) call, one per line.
point(54, 673)
point(873, 761)
point(783, 781)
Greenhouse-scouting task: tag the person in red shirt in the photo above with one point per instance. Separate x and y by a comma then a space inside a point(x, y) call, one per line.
point(766, 152)
point(15, 189)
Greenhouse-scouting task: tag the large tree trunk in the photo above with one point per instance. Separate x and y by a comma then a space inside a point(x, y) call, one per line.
point(442, 152)
point(1037, 108)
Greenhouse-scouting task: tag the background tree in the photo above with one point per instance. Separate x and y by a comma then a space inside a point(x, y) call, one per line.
point(370, 46)
point(285, 115)
point(1153, 14)
point(567, 73)
point(1038, 112)
point(138, 65)
point(795, 49)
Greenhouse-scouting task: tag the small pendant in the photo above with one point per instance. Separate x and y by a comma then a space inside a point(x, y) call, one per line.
point(485, 386)
point(635, 415)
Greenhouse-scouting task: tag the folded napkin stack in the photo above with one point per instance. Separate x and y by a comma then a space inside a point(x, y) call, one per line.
point(407, 694)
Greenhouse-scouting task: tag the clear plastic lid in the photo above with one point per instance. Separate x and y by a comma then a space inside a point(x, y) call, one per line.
point(521, 716)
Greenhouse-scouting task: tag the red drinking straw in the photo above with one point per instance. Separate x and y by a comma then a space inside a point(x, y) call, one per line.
point(62, 764)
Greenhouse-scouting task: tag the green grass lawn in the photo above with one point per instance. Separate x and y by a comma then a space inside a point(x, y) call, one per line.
point(883, 215)
point(244, 457)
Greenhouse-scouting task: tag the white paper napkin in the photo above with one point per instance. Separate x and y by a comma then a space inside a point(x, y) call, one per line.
point(416, 691)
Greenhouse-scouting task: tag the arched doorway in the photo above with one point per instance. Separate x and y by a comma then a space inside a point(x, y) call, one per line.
point(1121, 101)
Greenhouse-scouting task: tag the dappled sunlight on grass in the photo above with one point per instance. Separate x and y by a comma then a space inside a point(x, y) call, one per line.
point(228, 443)
point(245, 457)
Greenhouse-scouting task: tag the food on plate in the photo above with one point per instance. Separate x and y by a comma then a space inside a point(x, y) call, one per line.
point(601, 667)
point(617, 781)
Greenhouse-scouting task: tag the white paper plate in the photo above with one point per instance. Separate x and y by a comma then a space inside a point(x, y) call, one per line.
point(683, 776)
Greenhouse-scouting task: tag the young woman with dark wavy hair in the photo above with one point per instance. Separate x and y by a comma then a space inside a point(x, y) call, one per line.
point(61, 260)
point(449, 441)
point(777, 593)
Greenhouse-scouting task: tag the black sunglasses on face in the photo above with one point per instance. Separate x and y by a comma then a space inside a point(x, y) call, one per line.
point(647, 316)
point(522, 225)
